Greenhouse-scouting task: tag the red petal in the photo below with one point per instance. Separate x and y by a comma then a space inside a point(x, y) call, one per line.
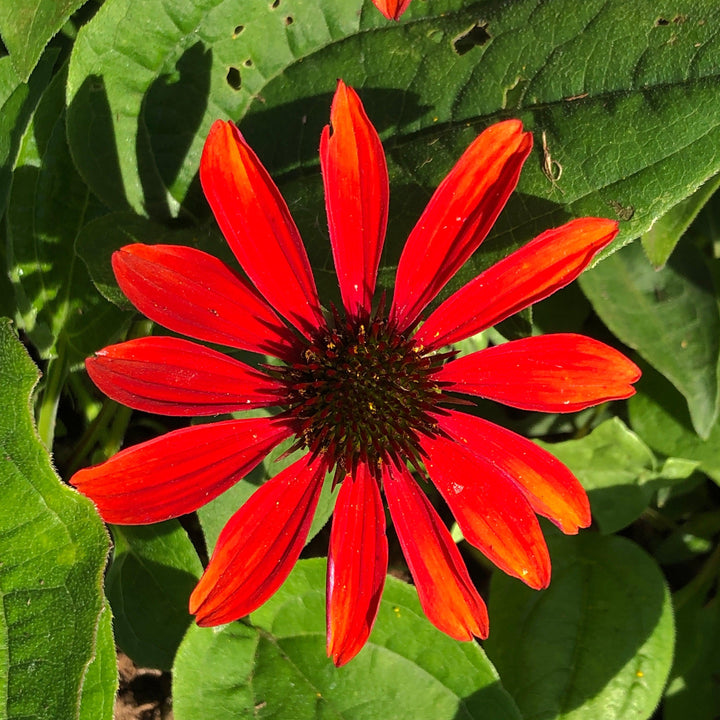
point(490, 509)
point(356, 195)
point(458, 217)
point(446, 592)
point(547, 263)
point(549, 373)
point(392, 9)
point(193, 293)
point(257, 224)
point(357, 563)
point(259, 545)
point(178, 472)
point(550, 488)
point(176, 377)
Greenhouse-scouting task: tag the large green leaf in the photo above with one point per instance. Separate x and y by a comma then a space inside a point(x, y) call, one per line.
point(97, 241)
point(660, 240)
point(17, 102)
point(659, 415)
point(596, 645)
point(275, 667)
point(619, 472)
point(57, 304)
point(54, 548)
point(692, 690)
point(101, 680)
point(670, 316)
point(153, 572)
point(628, 102)
point(27, 26)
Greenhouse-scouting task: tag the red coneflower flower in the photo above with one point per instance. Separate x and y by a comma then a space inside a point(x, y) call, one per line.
point(392, 9)
point(365, 392)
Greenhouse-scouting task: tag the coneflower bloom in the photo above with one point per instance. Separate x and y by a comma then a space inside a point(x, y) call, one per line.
point(392, 9)
point(371, 394)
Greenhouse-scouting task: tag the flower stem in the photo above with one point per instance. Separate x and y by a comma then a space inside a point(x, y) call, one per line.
point(112, 415)
point(92, 434)
point(702, 582)
point(56, 374)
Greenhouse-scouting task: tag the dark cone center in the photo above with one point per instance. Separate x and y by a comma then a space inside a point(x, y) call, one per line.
point(363, 393)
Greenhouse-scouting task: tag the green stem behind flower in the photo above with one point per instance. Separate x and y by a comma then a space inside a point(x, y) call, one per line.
point(56, 374)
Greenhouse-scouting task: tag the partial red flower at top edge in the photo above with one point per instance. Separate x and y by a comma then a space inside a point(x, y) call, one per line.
point(366, 396)
point(392, 9)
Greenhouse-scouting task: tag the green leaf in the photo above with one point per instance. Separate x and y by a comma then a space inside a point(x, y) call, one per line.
point(660, 416)
point(596, 645)
point(97, 241)
point(98, 691)
point(215, 514)
point(27, 27)
point(17, 103)
point(154, 570)
point(635, 130)
point(660, 240)
point(54, 551)
point(58, 307)
point(566, 310)
point(276, 666)
point(619, 472)
point(692, 691)
point(669, 316)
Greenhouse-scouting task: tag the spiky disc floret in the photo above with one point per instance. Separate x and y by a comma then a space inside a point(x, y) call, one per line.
point(362, 392)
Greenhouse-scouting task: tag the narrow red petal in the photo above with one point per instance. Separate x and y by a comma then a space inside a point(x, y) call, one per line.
point(171, 376)
point(258, 226)
point(550, 488)
point(259, 545)
point(178, 472)
point(549, 373)
point(447, 595)
point(356, 196)
point(458, 217)
point(392, 9)
point(357, 564)
point(193, 293)
point(490, 509)
point(547, 263)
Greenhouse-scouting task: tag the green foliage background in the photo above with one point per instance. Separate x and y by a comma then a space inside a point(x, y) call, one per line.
point(104, 107)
